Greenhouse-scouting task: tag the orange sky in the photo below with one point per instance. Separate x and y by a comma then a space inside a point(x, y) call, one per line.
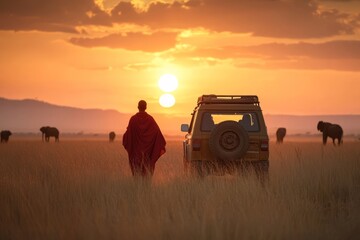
point(299, 56)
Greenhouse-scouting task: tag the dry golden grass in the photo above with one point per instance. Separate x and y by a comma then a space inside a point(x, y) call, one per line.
point(83, 190)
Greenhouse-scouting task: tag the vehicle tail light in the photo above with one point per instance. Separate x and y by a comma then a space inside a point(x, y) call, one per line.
point(196, 144)
point(264, 145)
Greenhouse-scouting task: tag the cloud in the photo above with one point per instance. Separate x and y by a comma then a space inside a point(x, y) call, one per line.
point(306, 64)
point(141, 66)
point(50, 15)
point(336, 55)
point(276, 18)
point(326, 50)
point(156, 42)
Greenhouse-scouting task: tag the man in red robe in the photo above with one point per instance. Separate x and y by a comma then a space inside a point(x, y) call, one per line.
point(144, 142)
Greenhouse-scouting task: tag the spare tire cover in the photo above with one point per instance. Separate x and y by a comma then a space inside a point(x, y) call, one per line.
point(229, 140)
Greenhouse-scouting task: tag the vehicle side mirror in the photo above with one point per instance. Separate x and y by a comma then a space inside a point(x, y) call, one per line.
point(184, 127)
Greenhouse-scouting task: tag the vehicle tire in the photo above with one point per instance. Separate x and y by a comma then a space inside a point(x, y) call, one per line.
point(229, 141)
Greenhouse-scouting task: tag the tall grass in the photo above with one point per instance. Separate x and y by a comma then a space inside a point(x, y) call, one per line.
point(83, 190)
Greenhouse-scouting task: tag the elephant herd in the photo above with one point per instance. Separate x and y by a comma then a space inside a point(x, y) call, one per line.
point(333, 131)
point(46, 133)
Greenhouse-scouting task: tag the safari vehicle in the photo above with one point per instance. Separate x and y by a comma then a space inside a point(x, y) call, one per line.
point(226, 134)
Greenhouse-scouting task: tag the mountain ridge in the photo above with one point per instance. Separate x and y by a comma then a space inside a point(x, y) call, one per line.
point(30, 115)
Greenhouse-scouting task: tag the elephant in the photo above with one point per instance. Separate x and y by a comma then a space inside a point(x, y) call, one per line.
point(49, 132)
point(43, 130)
point(280, 134)
point(112, 136)
point(333, 131)
point(5, 134)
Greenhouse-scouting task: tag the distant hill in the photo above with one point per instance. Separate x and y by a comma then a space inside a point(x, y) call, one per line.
point(29, 115)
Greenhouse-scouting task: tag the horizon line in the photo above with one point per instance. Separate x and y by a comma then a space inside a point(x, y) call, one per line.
point(110, 109)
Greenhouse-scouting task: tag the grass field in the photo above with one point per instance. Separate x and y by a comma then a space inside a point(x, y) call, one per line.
point(83, 190)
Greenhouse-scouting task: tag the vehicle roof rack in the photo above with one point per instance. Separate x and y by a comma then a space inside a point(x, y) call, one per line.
point(228, 99)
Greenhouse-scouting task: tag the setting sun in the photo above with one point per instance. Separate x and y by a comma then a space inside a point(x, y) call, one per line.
point(168, 83)
point(167, 100)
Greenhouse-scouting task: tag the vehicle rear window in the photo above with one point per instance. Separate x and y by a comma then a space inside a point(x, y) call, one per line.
point(248, 120)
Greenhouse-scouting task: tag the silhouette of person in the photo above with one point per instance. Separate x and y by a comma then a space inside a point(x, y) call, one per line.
point(246, 121)
point(249, 122)
point(207, 122)
point(143, 142)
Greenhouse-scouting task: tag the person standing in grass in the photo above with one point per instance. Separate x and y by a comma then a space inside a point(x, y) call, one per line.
point(143, 142)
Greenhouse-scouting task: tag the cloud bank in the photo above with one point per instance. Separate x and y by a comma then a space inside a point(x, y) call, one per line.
point(336, 55)
point(302, 20)
point(276, 18)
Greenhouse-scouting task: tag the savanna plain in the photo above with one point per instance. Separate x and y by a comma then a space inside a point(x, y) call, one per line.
point(83, 189)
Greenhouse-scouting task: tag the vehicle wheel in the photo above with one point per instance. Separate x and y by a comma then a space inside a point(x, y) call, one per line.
point(229, 141)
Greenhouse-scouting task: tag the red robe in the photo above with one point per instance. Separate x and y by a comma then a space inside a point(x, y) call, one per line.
point(144, 143)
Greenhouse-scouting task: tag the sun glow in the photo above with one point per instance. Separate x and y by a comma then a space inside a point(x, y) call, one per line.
point(168, 83)
point(167, 100)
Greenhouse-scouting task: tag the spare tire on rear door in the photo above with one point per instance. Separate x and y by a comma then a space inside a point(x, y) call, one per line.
point(229, 140)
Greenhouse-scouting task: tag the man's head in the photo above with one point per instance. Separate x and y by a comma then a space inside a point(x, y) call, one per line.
point(142, 106)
